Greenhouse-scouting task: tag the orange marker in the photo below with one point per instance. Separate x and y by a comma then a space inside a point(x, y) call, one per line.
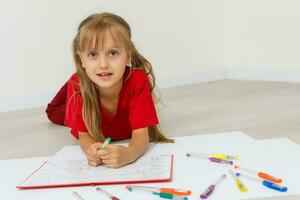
point(163, 190)
point(262, 175)
point(175, 191)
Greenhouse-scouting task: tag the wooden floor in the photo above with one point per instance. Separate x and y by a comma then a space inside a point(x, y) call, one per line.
point(260, 109)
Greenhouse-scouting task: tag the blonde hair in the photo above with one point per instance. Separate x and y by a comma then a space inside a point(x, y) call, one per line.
point(91, 34)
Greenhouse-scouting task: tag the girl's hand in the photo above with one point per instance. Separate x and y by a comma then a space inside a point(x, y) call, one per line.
point(115, 156)
point(92, 155)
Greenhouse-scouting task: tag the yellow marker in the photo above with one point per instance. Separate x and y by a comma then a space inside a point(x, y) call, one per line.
point(225, 157)
point(240, 185)
point(238, 182)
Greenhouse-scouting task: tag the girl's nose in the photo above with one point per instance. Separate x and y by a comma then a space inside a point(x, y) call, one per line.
point(103, 63)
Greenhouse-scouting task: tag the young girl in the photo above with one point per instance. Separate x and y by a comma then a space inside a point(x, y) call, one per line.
point(110, 95)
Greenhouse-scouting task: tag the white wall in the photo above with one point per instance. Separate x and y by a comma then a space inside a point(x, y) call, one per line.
point(180, 38)
point(262, 39)
point(186, 41)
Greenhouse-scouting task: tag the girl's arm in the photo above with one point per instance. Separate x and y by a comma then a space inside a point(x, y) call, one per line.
point(57, 107)
point(85, 141)
point(139, 143)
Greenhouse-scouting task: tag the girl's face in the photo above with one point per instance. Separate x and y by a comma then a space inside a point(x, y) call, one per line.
point(105, 67)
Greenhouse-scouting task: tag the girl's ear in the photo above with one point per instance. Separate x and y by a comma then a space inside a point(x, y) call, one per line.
point(129, 61)
point(129, 64)
point(82, 65)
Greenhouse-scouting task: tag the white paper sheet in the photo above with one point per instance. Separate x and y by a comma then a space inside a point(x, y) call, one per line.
point(58, 171)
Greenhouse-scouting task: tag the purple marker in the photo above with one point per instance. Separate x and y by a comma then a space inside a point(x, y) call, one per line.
point(218, 160)
point(212, 159)
point(211, 188)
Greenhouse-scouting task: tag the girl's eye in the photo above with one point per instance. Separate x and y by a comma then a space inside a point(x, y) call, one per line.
point(113, 53)
point(92, 54)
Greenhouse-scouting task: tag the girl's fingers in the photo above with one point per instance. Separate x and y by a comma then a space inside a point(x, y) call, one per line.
point(110, 160)
point(98, 145)
point(93, 158)
point(92, 155)
point(109, 149)
point(112, 164)
point(93, 149)
point(105, 155)
point(109, 163)
point(92, 163)
point(102, 152)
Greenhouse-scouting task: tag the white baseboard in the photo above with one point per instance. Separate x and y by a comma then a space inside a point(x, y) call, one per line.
point(25, 102)
point(264, 75)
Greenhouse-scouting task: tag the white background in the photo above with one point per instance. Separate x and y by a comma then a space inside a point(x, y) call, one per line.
point(186, 41)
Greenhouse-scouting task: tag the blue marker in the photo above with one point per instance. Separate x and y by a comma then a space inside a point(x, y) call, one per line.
point(265, 183)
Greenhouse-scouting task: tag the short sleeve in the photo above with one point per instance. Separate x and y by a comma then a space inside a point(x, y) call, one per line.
point(74, 105)
point(142, 111)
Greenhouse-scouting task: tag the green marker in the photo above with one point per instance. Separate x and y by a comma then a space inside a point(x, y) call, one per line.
point(169, 196)
point(160, 194)
point(106, 142)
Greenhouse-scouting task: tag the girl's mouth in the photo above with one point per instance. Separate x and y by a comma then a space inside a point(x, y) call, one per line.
point(104, 74)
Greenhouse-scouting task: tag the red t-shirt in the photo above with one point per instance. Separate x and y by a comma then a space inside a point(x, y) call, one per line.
point(135, 108)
